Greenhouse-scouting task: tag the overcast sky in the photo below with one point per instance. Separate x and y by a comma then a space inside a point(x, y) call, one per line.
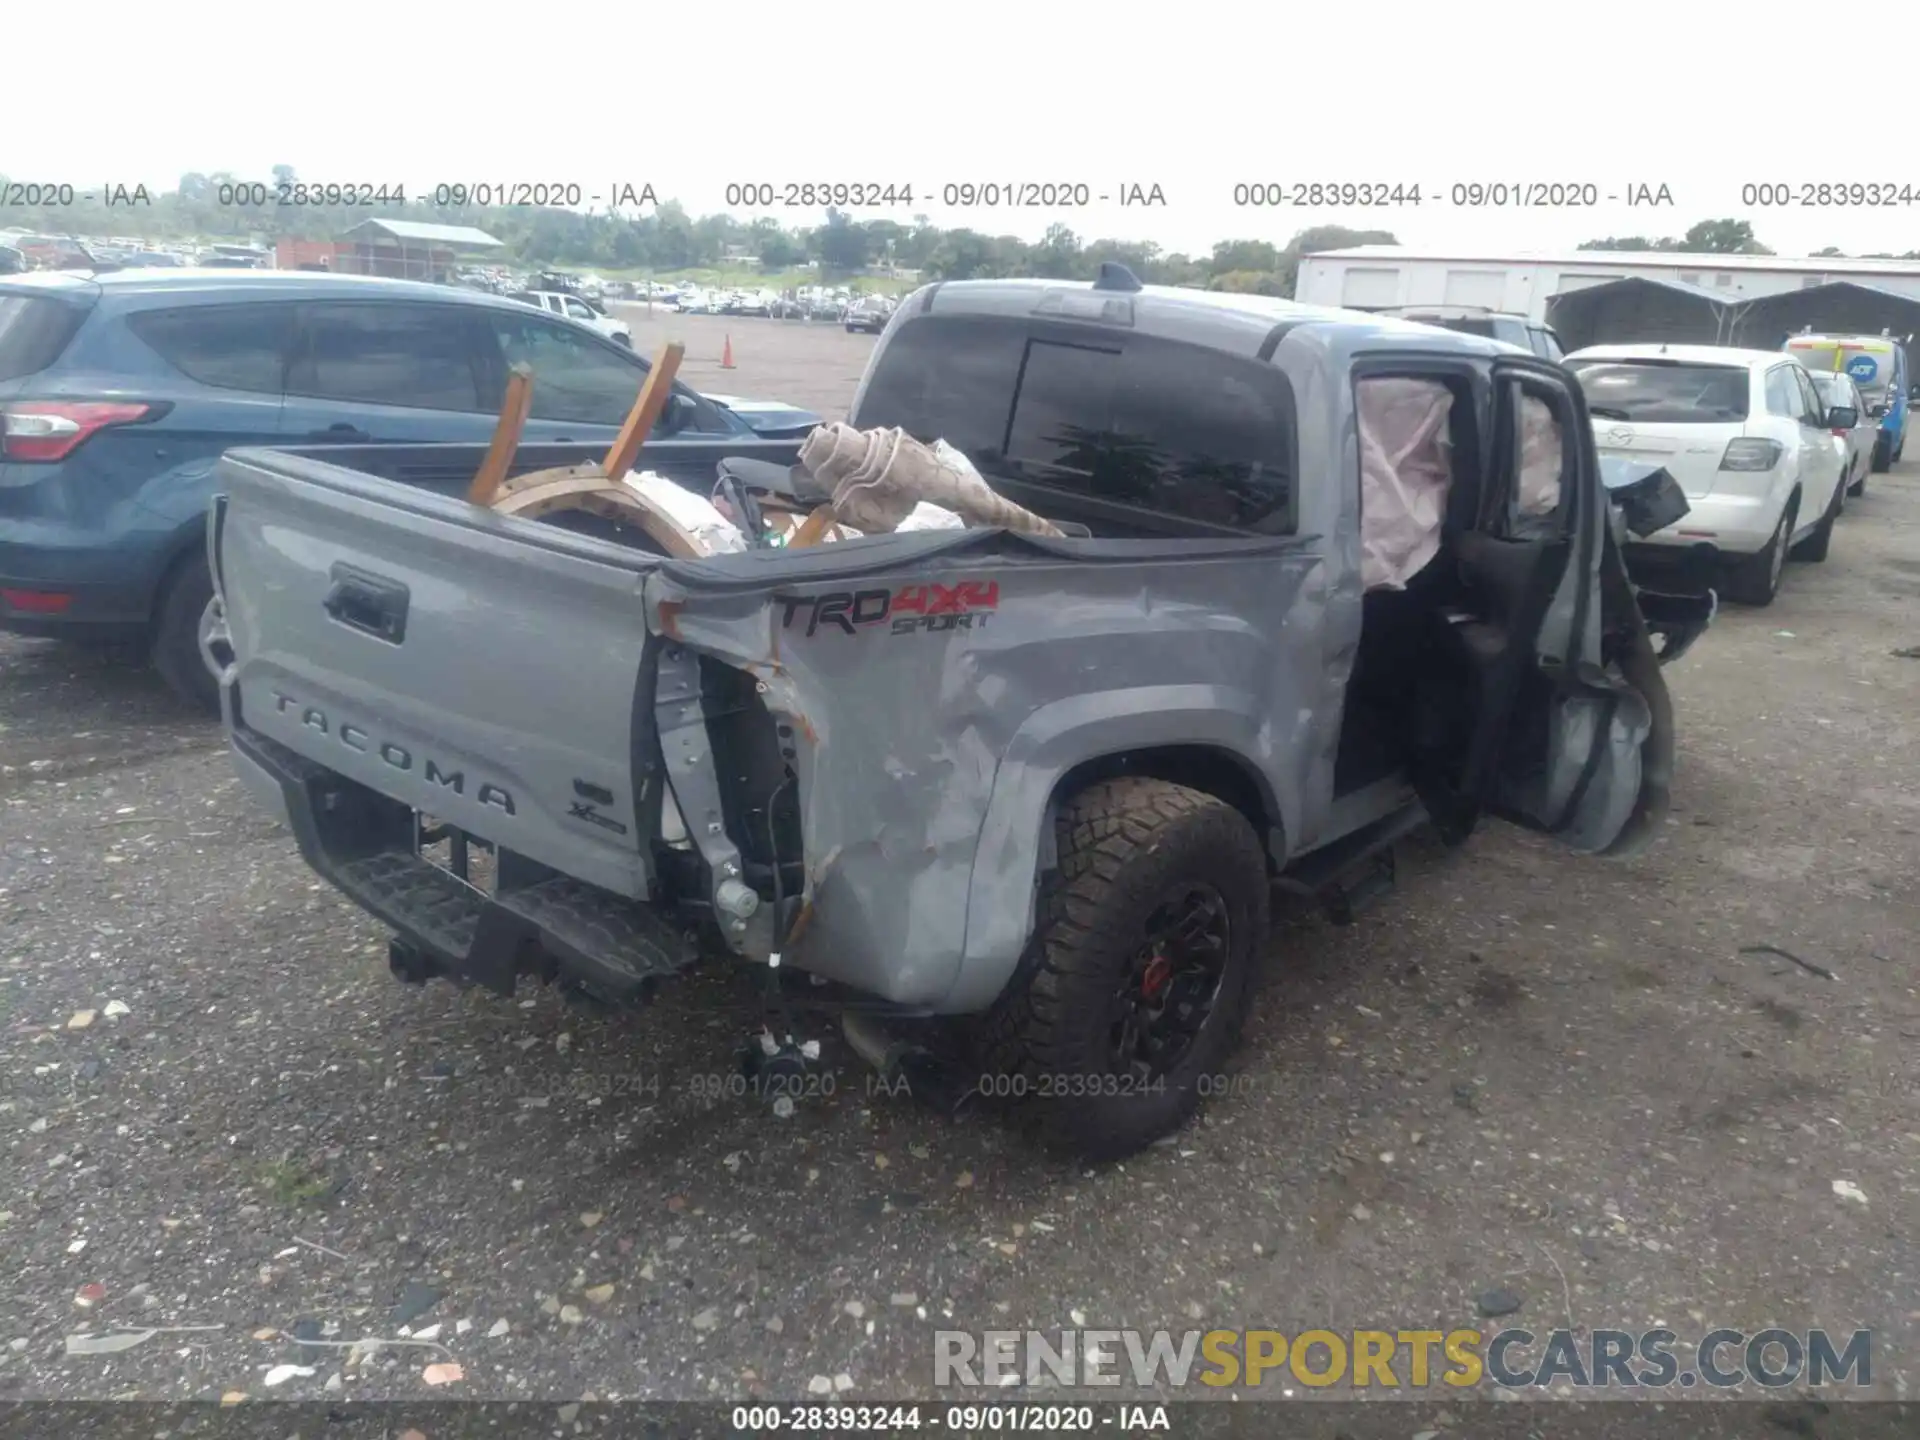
point(1194, 98)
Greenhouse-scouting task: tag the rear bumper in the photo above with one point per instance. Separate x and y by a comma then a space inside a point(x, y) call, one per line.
point(1731, 524)
point(52, 608)
point(108, 583)
point(534, 923)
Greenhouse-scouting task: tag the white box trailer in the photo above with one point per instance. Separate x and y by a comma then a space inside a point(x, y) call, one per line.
point(1378, 277)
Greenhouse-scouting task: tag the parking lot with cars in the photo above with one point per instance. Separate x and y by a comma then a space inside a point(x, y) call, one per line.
point(1678, 1089)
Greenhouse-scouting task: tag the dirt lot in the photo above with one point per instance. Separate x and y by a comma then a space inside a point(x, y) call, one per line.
point(809, 363)
point(1523, 1071)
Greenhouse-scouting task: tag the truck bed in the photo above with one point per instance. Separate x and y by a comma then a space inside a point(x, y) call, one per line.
point(905, 705)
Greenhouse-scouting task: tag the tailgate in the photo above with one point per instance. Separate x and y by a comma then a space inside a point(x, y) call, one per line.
point(1690, 453)
point(480, 669)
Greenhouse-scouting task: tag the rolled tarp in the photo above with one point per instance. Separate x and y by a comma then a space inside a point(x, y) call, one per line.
point(878, 477)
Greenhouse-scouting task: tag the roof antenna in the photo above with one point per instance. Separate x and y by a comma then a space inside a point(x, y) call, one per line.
point(1115, 276)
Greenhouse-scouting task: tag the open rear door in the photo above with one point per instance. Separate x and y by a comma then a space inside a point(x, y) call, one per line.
point(1577, 742)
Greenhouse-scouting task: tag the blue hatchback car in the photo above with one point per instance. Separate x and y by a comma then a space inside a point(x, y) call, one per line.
point(119, 392)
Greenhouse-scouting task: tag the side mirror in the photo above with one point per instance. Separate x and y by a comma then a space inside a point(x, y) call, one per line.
point(1842, 417)
point(680, 414)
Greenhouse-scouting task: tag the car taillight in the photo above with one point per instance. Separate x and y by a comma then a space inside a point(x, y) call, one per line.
point(1751, 453)
point(44, 430)
point(37, 602)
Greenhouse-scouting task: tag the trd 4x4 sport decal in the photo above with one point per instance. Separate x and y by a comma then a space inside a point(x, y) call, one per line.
point(912, 609)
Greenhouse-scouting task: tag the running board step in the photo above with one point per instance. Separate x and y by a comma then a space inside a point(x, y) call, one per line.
point(1352, 873)
point(557, 929)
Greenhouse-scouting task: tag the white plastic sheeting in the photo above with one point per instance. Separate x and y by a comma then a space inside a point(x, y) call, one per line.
point(697, 515)
point(1406, 469)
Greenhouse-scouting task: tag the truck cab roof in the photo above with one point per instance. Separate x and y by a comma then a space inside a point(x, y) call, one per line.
point(1216, 319)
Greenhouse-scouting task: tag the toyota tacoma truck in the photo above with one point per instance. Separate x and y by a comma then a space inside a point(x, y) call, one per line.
point(1326, 577)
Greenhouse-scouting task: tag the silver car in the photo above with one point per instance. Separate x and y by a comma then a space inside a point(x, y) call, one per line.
point(1857, 440)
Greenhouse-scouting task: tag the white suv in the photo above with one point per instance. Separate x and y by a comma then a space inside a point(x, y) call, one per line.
point(1744, 433)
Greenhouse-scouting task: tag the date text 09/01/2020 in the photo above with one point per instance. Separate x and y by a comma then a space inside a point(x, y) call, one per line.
point(959, 194)
point(1461, 194)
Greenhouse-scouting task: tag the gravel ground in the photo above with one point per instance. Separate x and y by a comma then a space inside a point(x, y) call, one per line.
point(1521, 1070)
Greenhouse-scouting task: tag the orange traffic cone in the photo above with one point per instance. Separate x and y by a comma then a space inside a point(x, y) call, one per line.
point(726, 355)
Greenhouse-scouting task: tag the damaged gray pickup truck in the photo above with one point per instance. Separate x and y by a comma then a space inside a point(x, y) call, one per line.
point(1327, 577)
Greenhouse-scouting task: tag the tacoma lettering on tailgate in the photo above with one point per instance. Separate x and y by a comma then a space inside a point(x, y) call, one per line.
point(398, 756)
point(912, 609)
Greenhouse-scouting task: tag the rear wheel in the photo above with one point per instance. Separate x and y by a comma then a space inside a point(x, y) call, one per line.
point(1881, 453)
point(1857, 483)
point(176, 634)
point(1755, 580)
point(1136, 983)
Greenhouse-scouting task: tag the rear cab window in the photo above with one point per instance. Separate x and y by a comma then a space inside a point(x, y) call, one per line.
point(233, 347)
point(34, 331)
point(1142, 430)
point(1663, 392)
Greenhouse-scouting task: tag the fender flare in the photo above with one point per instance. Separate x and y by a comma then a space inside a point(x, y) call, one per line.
point(1014, 841)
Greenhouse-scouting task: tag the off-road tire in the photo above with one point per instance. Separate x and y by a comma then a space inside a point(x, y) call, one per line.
point(1121, 844)
point(1755, 580)
point(176, 635)
point(1814, 548)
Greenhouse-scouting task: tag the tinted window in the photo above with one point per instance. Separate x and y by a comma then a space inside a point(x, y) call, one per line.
point(236, 347)
point(1546, 345)
point(1469, 325)
point(578, 310)
point(1132, 420)
point(579, 378)
point(422, 356)
point(33, 332)
point(1657, 392)
point(947, 379)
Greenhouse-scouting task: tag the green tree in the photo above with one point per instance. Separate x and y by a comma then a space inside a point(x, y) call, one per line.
point(1244, 255)
point(841, 244)
point(1723, 237)
point(963, 255)
point(1057, 256)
